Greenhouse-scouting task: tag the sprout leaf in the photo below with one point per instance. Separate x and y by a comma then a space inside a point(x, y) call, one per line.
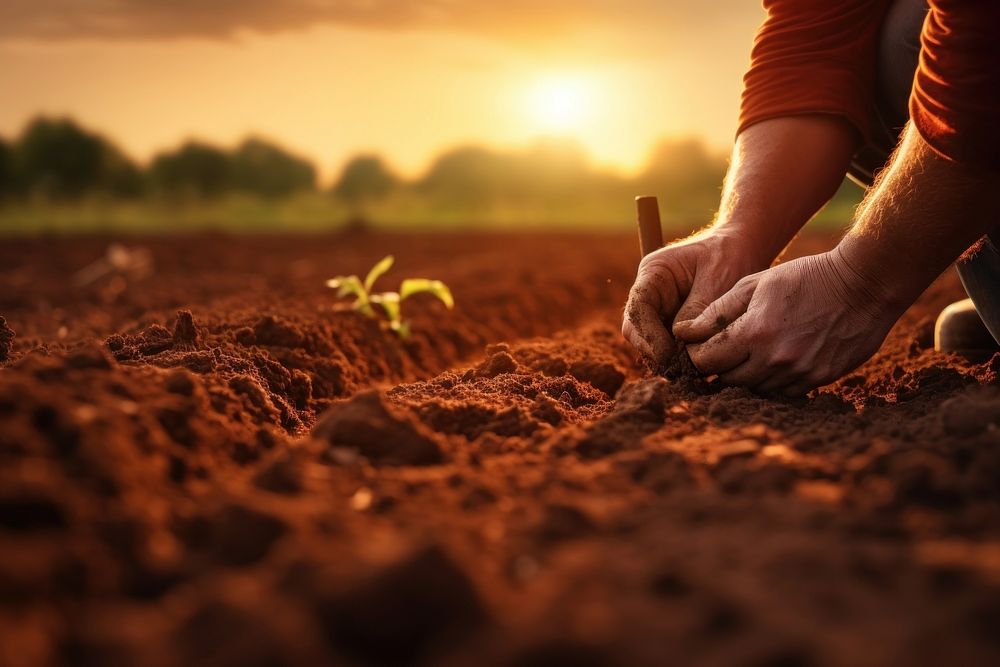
point(351, 286)
point(436, 287)
point(346, 285)
point(377, 271)
point(390, 304)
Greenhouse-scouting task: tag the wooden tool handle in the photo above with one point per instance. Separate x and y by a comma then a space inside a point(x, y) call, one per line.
point(650, 229)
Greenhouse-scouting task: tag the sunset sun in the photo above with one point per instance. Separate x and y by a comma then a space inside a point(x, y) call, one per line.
point(560, 104)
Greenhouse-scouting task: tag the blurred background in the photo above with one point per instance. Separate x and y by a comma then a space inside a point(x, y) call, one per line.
point(299, 115)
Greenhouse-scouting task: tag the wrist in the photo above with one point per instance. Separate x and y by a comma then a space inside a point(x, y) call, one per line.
point(782, 171)
point(751, 239)
point(890, 282)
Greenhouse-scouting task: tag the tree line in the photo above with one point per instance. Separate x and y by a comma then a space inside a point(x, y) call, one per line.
point(57, 159)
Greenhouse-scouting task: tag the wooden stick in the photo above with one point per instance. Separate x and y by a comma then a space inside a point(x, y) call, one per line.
point(650, 229)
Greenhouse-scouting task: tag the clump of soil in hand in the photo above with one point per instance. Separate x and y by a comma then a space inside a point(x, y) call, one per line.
point(678, 365)
point(679, 368)
point(6, 339)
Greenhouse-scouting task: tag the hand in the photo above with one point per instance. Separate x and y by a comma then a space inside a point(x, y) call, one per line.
point(791, 328)
point(679, 281)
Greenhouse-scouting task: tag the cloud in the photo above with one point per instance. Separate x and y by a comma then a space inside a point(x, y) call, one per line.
point(224, 19)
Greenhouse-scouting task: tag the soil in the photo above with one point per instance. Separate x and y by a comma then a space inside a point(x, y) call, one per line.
point(206, 460)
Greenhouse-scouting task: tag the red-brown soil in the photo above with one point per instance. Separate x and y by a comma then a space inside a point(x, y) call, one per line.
point(207, 462)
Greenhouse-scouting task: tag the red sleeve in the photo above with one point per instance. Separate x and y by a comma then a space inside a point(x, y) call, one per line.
point(955, 103)
point(813, 56)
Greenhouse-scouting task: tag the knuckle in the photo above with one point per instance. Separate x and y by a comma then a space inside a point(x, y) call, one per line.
point(800, 367)
point(765, 331)
point(696, 354)
point(663, 267)
point(784, 356)
point(755, 332)
point(776, 362)
point(641, 291)
point(657, 261)
point(633, 311)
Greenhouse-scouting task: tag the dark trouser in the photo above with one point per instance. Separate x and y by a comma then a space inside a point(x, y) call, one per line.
point(898, 54)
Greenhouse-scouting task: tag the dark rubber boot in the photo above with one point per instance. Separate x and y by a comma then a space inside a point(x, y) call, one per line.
point(960, 329)
point(979, 271)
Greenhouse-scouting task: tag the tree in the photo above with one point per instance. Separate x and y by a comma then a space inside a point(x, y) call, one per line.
point(366, 178)
point(685, 172)
point(689, 178)
point(59, 159)
point(550, 172)
point(6, 170)
point(194, 169)
point(265, 169)
point(470, 176)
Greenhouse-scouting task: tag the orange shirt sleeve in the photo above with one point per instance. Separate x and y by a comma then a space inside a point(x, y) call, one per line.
point(955, 103)
point(814, 56)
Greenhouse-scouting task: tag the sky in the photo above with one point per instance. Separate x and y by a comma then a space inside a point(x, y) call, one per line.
point(402, 78)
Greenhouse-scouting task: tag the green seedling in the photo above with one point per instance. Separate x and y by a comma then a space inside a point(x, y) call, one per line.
point(390, 302)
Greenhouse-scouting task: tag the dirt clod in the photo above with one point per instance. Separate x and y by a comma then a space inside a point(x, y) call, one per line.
point(971, 412)
point(397, 616)
point(645, 399)
point(565, 522)
point(382, 433)
point(241, 536)
point(602, 375)
point(89, 357)
point(270, 330)
point(30, 513)
point(185, 332)
point(496, 364)
point(283, 476)
point(222, 633)
point(7, 336)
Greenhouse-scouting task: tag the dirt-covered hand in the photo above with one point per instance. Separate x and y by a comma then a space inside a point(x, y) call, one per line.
point(791, 328)
point(678, 282)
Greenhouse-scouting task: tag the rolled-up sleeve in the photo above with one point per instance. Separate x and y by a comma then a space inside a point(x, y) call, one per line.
point(814, 56)
point(955, 103)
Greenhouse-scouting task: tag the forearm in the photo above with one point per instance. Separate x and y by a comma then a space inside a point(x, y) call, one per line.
point(921, 215)
point(782, 171)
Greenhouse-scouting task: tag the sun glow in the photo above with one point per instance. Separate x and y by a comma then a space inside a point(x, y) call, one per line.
point(561, 104)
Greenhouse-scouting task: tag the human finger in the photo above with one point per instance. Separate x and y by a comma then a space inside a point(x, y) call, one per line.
point(718, 315)
point(753, 372)
point(722, 352)
point(643, 325)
